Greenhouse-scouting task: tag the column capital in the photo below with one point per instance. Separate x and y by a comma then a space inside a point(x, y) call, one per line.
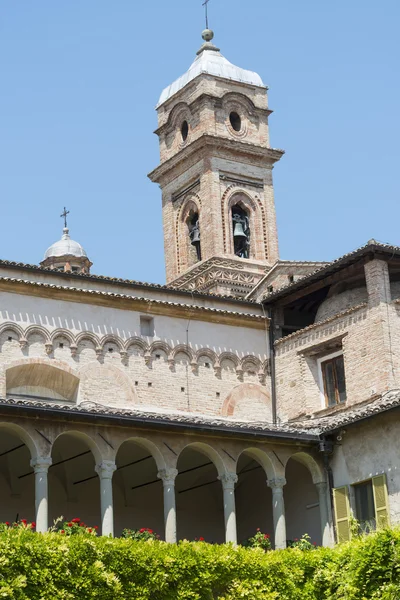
point(105, 470)
point(41, 464)
point(228, 480)
point(276, 484)
point(167, 475)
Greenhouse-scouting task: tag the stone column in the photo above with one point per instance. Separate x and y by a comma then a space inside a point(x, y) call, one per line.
point(168, 478)
point(41, 468)
point(326, 532)
point(228, 481)
point(105, 471)
point(278, 511)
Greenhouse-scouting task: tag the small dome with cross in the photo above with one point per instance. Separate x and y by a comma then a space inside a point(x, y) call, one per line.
point(66, 254)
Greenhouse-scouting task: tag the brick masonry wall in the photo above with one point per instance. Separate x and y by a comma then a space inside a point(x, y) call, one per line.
point(368, 335)
point(209, 375)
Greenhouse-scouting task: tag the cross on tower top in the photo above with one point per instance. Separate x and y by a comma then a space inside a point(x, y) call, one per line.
point(205, 4)
point(64, 216)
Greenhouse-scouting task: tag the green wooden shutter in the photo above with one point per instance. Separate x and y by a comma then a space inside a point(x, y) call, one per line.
point(342, 513)
point(381, 501)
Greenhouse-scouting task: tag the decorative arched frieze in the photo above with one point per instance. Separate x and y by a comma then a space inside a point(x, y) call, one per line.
point(111, 339)
point(64, 333)
point(14, 328)
point(138, 342)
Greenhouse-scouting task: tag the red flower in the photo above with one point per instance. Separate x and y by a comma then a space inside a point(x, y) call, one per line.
point(24, 521)
point(266, 536)
point(96, 527)
point(89, 530)
point(76, 520)
point(62, 531)
point(142, 530)
point(82, 525)
point(150, 530)
point(201, 539)
point(33, 525)
point(8, 524)
point(69, 524)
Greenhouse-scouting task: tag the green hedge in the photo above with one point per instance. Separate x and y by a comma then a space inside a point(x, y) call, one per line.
point(51, 566)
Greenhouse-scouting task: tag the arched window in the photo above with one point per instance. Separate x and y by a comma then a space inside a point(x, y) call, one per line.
point(241, 231)
point(193, 224)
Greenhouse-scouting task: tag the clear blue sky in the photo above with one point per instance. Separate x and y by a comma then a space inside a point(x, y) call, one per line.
point(79, 82)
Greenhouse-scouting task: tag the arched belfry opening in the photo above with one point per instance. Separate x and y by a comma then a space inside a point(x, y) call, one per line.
point(241, 231)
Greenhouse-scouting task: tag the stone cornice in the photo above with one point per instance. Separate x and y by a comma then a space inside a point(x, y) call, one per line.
point(268, 155)
point(124, 302)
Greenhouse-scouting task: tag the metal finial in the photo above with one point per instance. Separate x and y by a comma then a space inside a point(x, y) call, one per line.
point(205, 4)
point(64, 216)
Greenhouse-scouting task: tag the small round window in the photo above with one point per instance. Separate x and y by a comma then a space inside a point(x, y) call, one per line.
point(184, 130)
point(235, 121)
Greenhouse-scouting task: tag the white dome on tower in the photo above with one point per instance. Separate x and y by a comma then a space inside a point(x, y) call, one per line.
point(210, 61)
point(65, 247)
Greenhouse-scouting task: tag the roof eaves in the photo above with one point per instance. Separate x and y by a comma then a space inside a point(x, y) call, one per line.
point(133, 298)
point(129, 418)
point(121, 282)
point(333, 266)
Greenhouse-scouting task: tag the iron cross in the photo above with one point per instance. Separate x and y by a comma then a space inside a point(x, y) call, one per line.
point(65, 213)
point(205, 4)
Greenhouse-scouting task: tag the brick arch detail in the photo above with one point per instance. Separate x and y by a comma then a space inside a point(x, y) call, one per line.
point(189, 201)
point(244, 391)
point(227, 201)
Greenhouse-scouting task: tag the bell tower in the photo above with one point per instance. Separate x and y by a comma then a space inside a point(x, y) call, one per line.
point(215, 174)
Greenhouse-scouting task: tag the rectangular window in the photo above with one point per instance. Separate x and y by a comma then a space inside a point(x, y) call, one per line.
point(365, 506)
point(333, 379)
point(147, 326)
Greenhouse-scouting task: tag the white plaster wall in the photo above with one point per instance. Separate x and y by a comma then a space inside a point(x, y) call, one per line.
point(77, 317)
point(148, 292)
point(368, 449)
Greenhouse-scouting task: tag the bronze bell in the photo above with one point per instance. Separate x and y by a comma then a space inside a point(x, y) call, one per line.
point(195, 236)
point(238, 232)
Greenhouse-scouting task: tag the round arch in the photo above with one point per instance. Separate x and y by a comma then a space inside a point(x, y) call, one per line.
point(24, 436)
point(269, 463)
point(209, 452)
point(236, 195)
point(310, 463)
point(186, 253)
point(86, 439)
point(147, 445)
